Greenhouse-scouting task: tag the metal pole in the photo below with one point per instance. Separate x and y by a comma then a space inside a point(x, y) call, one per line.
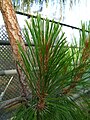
point(8, 72)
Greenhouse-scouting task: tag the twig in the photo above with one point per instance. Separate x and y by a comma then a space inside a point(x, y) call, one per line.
point(11, 102)
point(2, 94)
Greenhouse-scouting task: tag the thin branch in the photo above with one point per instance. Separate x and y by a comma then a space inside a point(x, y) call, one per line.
point(11, 102)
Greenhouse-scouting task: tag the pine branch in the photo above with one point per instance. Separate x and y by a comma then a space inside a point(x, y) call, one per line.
point(78, 76)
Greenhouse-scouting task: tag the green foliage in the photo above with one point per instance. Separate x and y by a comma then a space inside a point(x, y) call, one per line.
point(52, 69)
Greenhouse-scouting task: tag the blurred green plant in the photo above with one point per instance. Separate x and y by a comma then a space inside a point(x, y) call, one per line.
point(25, 5)
point(54, 72)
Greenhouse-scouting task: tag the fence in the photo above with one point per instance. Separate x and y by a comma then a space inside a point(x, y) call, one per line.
point(7, 63)
point(9, 84)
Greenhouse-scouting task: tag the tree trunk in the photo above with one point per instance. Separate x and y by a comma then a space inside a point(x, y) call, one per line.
point(14, 34)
